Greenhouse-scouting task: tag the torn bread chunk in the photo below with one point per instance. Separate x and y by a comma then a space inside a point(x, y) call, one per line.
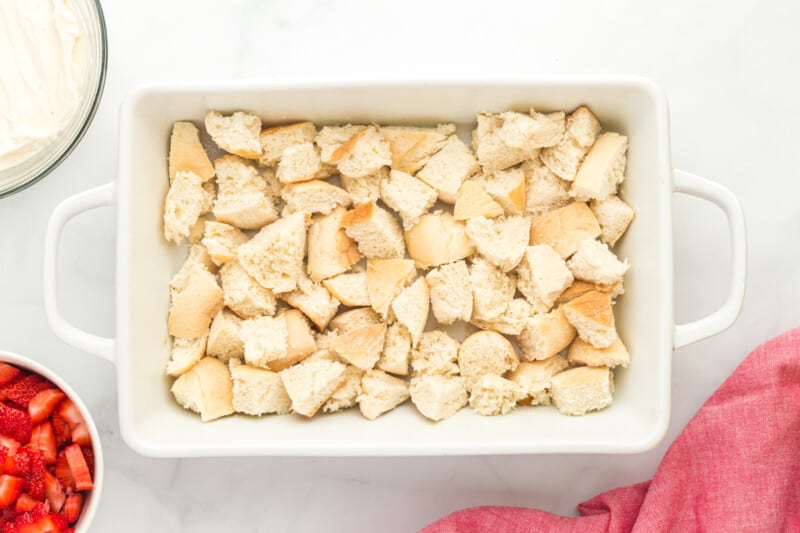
point(595, 263)
point(309, 385)
point(224, 337)
point(485, 352)
point(502, 241)
point(505, 139)
point(184, 354)
point(362, 154)
point(396, 350)
point(386, 278)
point(375, 230)
point(448, 168)
point(511, 321)
point(350, 289)
point(197, 258)
point(542, 276)
point(257, 391)
point(313, 300)
point(301, 162)
point(583, 353)
point(438, 397)
point(579, 288)
point(274, 256)
point(492, 289)
point(508, 188)
point(195, 305)
point(578, 391)
point(564, 159)
point(409, 197)
point(330, 250)
point(276, 139)
point(242, 294)
point(602, 170)
point(614, 217)
point(206, 389)
point(243, 199)
point(535, 377)
point(185, 202)
point(411, 308)
point(545, 335)
point(354, 319)
point(367, 188)
point(331, 138)
point(473, 201)
point(361, 347)
point(274, 186)
point(345, 396)
point(436, 239)
point(186, 153)
point(236, 133)
point(315, 196)
point(221, 240)
point(380, 393)
point(412, 147)
point(277, 342)
point(450, 292)
point(436, 354)
point(563, 229)
point(492, 153)
point(593, 318)
point(493, 395)
point(544, 191)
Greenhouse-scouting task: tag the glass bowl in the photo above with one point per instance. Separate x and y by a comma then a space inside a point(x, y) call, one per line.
point(37, 166)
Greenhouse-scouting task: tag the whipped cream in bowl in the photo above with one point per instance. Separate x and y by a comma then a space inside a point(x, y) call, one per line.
point(52, 70)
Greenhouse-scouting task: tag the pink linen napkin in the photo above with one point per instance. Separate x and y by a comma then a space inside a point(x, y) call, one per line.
point(735, 467)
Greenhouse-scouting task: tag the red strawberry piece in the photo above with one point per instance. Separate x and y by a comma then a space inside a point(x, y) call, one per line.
point(18, 464)
point(22, 391)
point(15, 423)
point(58, 521)
point(25, 503)
point(44, 403)
point(8, 373)
point(78, 467)
point(10, 489)
point(35, 484)
point(54, 492)
point(63, 473)
point(9, 444)
point(43, 439)
point(72, 509)
point(88, 454)
point(77, 427)
point(61, 430)
point(9, 527)
point(49, 523)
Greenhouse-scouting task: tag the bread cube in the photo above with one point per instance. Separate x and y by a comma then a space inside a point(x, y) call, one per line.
point(579, 390)
point(278, 342)
point(407, 195)
point(411, 308)
point(354, 319)
point(448, 168)
point(237, 133)
point(345, 396)
point(614, 217)
point(563, 229)
point(535, 377)
point(450, 292)
point(361, 347)
point(493, 395)
point(380, 393)
point(386, 278)
point(542, 276)
point(185, 202)
point(502, 241)
point(602, 170)
point(243, 198)
point(438, 397)
point(206, 389)
point(511, 321)
point(224, 337)
point(184, 354)
point(492, 289)
point(436, 354)
point(331, 138)
point(595, 263)
point(583, 353)
point(485, 352)
point(315, 196)
point(195, 305)
point(544, 191)
point(274, 256)
point(396, 351)
point(365, 189)
point(545, 335)
point(412, 147)
point(276, 139)
point(309, 385)
point(362, 154)
point(301, 162)
point(473, 201)
point(593, 318)
point(330, 250)
point(437, 239)
point(242, 294)
point(186, 153)
point(257, 391)
point(565, 158)
point(313, 300)
point(508, 188)
point(222, 240)
point(350, 288)
point(375, 230)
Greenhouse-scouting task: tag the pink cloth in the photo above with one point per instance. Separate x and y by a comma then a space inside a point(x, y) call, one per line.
point(735, 467)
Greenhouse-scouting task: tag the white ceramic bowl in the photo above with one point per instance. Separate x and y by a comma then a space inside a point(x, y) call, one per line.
point(152, 422)
point(93, 500)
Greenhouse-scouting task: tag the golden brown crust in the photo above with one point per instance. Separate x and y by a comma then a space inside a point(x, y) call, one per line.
point(594, 305)
point(347, 147)
point(565, 228)
point(360, 214)
point(186, 153)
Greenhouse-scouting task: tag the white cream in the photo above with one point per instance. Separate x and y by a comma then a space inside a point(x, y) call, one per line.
point(42, 65)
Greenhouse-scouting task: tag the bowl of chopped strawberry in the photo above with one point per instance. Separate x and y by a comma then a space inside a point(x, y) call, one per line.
point(50, 456)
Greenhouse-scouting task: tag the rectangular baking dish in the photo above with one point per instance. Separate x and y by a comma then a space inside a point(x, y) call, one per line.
point(153, 424)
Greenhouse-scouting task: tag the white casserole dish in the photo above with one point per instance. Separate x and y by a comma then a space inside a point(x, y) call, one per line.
point(153, 424)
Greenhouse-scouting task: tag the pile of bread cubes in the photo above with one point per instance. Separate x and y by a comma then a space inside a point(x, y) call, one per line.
point(317, 257)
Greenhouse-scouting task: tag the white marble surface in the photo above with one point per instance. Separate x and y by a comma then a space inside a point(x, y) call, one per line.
point(730, 71)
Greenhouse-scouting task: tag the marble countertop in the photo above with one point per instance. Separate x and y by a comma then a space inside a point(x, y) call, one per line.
point(728, 70)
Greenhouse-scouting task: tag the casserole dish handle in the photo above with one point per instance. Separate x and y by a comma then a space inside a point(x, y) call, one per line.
point(67, 209)
point(723, 317)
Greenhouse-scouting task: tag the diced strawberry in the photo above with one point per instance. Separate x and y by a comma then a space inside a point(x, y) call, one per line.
point(15, 423)
point(22, 391)
point(54, 492)
point(59, 522)
point(50, 523)
point(9, 527)
point(61, 430)
point(24, 503)
point(78, 467)
point(77, 427)
point(10, 489)
point(10, 444)
point(63, 473)
point(72, 509)
point(18, 464)
point(44, 403)
point(43, 439)
point(88, 454)
point(36, 477)
point(8, 373)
